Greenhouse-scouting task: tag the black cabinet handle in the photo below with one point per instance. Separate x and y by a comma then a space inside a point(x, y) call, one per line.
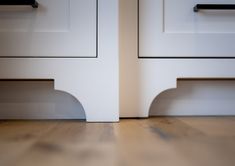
point(32, 3)
point(214, 7)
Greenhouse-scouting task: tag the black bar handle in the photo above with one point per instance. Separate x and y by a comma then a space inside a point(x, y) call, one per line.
point(214, 7)
point(32, 3)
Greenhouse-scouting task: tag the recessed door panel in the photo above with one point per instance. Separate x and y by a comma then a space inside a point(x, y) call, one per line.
point(169, 28)
point(57, 28)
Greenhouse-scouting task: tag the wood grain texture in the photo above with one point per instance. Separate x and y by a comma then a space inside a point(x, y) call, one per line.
point(180, 141)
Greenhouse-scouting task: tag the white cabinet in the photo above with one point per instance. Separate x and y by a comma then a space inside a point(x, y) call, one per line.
point(57, 28)
point(173, 43)
point(73, 42)
point(171, 28)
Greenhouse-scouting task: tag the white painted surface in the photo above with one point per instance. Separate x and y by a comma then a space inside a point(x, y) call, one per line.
point(93, 81)
point(58, 28)
point(170, 28)
point(141, 80)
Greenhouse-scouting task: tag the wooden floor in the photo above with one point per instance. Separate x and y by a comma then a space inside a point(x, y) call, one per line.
point(132, 142)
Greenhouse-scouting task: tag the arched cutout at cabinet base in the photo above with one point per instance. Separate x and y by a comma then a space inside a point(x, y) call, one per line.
point(37, 99)
point(153, 92)
point(196, 97)
point(95, 107)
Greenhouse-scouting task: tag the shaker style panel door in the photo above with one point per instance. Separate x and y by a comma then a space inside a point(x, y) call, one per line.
point(171, 28)
point(57, 28)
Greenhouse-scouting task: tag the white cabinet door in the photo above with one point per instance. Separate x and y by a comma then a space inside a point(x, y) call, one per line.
point(58, 28)
point(170, 28)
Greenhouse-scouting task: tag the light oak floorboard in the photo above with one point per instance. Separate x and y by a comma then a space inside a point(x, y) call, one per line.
point(164, 141)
